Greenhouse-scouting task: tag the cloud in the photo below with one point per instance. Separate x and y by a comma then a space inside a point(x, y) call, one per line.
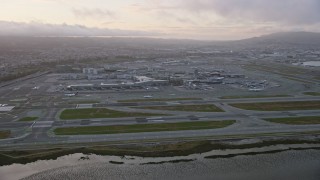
point(93, 13)
point(231, 19)
point(41, 29)
point(280, 11)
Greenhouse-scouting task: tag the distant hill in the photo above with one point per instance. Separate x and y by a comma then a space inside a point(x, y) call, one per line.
point(285, 38)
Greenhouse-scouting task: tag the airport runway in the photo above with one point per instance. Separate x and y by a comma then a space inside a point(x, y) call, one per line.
point(248, 122)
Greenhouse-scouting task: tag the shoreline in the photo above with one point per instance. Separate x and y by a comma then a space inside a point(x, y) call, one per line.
point(40, 168)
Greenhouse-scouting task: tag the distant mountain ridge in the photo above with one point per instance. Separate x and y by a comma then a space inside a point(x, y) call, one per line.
point(301, 38)
point(305, 40)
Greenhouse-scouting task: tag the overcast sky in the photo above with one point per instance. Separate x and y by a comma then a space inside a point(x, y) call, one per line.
point(195, 19)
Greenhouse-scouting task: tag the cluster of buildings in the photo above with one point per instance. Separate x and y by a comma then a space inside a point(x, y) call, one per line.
point(112, 80)
point(189, 75)
point(146, 82)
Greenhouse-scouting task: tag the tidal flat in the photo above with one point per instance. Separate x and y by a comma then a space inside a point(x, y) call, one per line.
point(272, 162)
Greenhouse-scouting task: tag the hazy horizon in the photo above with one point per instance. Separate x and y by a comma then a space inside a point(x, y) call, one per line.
point(188, 19)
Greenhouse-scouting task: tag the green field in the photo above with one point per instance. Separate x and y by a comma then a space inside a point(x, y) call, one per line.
point(194, 108)
point(291, 73)
point(298, 80)
point(312, 93)
point(4, 134)
point(279, 106)
point(155, 100)
point(91, 113)
point(143, 128)
point(296, 120)
point(28, 119)
point(184, 147)
point(165, 149)
point(256, 96)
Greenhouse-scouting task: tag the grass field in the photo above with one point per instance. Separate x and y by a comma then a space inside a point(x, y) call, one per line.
point(194, 108)
point(155, 100)
point(285, 71)
point(153, 150)
point(91, 113)
point(298, 80)
point(28, 119)
point(257, 96)
point(312, 93)
point(296, 120)
point(279, 106)
point(4, 134)
point(142, 128)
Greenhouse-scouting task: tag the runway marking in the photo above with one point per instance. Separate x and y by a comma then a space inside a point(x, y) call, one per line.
point(156, 120)
point(41, 124)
